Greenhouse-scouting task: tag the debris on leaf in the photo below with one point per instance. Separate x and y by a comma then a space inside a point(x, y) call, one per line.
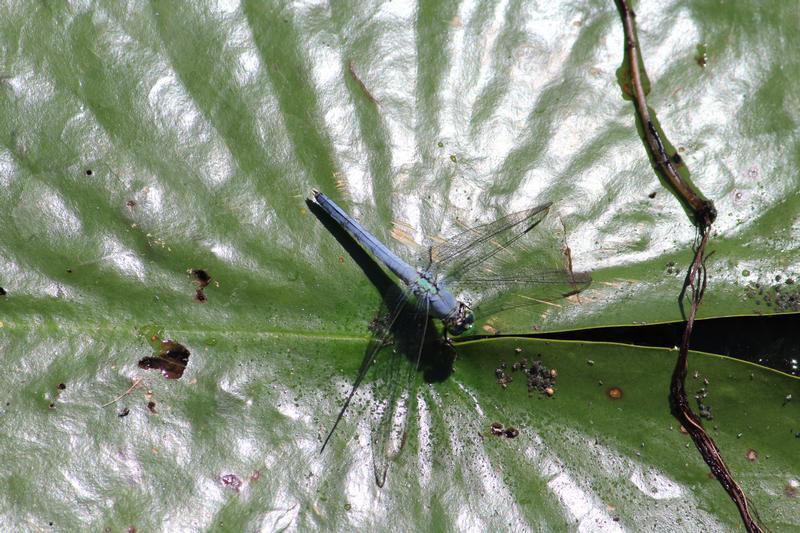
point(498, 430)
point(171, 360)
point(202, 279)
point(231, 481)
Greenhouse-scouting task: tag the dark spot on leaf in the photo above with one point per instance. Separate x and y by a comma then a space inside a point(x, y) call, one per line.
point(131, 203)
point(347, 507)
point(676, 159)
point(511, 433)
point(201, 277)
point(496, 428)
point(232, 482)
point(2, 291)
point(61, 386)
point(152, 406)
point(615, 393)
point(171, 360)
point(651, 195)
point(751, 455)
point(69, 271)
point(89, 172)
point(125, 412)
point(52, 406)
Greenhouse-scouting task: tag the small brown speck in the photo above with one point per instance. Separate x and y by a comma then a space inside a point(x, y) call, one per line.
point(751, 455)
point(232, 482)
point(615, 393)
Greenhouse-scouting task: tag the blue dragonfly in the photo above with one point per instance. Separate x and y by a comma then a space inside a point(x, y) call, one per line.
point(442, 285)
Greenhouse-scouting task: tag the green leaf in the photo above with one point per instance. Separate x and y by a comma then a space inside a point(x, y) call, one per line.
point(141, 141)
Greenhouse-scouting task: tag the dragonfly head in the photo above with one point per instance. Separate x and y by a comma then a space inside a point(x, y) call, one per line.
point(460, 321)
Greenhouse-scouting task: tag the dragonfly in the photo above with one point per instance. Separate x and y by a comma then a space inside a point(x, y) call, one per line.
point(442, 285)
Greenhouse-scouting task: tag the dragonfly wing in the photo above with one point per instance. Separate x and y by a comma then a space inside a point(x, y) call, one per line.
point(525, 289)
point(526, 274)
point(393, 390)
point(382, 336)
point(474, 246)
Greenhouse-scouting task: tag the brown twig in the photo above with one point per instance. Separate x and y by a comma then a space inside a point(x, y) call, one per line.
point(704, 210)
point(136, 383)
point(360, 83)
point(567, 256)
point(696, 280)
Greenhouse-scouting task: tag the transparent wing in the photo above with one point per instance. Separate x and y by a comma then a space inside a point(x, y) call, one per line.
point(474, 246)
point(393, 389)
point(392, 356)
point(382, 337)
point(533, 289)
point(532, 271)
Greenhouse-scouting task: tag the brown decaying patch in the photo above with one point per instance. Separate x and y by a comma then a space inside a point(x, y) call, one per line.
point(171, 360)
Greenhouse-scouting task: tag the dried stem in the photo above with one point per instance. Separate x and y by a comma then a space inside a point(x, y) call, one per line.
point(136, 383)
point(704, 210)
point(704, 215)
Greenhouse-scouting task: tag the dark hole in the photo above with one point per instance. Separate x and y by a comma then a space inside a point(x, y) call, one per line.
point(125, 412)
point(651, 195)
point(171, 360)
point(89, 172)
point(2, 291)
point(202, 277)
point(61, 386)
point(151, 406)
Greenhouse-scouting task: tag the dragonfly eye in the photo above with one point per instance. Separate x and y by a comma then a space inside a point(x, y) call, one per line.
point(461, 322)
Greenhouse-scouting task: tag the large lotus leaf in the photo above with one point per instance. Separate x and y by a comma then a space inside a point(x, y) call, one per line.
point(141, 140)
